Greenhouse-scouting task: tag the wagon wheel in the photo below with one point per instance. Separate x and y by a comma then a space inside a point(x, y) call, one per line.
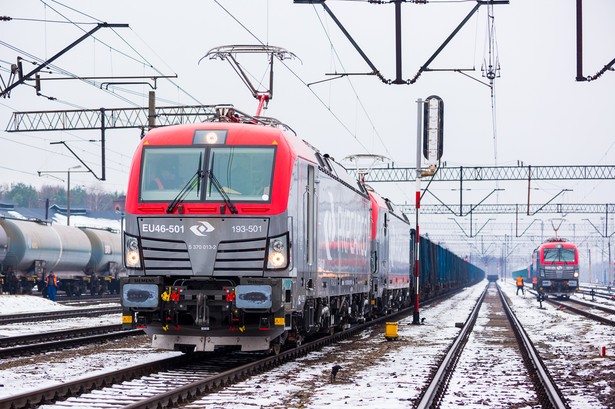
point(276, 346)
point(275, 349)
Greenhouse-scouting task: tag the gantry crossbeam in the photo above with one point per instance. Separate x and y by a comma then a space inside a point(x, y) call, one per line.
point(112, 118)
point(560, 208)
point(499, 173)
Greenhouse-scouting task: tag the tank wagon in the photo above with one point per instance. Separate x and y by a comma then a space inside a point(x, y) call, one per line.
point(555, 268)
point(85, 260)
point(261, 240)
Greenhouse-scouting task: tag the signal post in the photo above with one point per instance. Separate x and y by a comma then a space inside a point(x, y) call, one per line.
point(430, 127)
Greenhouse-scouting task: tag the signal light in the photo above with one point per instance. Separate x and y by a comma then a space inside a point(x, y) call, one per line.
point(230, 294)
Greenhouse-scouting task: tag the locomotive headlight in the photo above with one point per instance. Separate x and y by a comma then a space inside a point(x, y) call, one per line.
point(132, 244)
point(132, 259)
point(576, 274)
point(277, 252)
point(277, 259)
point(131, 255)
point(278, 245)
point(209, 137)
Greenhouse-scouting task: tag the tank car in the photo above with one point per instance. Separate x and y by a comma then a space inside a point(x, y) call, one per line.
point(105, 266)
point(33, 248)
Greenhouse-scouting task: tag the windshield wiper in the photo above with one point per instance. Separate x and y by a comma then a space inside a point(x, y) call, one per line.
point(195, 181)
point(214, 181)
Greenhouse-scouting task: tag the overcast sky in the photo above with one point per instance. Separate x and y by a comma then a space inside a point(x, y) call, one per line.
point(542, 115)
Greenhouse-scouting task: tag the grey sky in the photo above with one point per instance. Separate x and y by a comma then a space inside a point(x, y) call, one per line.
point(543, 116)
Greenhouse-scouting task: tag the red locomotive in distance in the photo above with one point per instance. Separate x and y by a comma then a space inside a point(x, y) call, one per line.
point(555, 268)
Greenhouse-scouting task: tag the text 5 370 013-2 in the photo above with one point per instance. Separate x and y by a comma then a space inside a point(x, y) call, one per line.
point(162, 228)
point(202, 247)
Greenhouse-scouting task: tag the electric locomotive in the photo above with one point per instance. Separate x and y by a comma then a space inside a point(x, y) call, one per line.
point(240, 234)
point(390, 256)
point(555, 267)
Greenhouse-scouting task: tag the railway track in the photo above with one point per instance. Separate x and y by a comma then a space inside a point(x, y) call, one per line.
point(169, 382)
point(586, 310)
point(375, 372)
point(492, 330)
point(58, 314)
point(25, 345)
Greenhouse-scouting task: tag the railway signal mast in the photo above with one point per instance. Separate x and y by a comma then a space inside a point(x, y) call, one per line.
point(431, 134)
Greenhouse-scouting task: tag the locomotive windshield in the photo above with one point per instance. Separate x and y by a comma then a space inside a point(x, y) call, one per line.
point(559, 255)
point(244, 173)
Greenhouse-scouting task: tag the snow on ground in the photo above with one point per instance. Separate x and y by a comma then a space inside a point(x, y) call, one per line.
point(375, 372)
point(19, 375)
point(571, 346)
point(389, 378)
point(17, 304)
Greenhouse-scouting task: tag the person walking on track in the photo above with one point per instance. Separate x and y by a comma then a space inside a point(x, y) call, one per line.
point(520, 285)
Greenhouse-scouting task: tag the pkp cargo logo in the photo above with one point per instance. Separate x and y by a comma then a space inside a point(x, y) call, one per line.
point(202, 229)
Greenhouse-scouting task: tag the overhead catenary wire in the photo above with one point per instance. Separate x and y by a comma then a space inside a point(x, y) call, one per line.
point(114, 91)
point(304, 83)
point(54, 69)
point(142, 59)
point(319, 98)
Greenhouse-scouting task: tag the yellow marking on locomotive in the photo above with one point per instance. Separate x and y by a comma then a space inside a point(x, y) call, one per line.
point(279, 321)
point(126, 319)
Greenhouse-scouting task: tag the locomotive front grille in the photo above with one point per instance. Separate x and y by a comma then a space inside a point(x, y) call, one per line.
point(554, 274)
point(166, 255)
point(245, 255)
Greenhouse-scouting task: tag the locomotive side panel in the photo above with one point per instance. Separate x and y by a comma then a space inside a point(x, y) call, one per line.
point(390, 257)
point(399, 253)
point(343, 239)
point(302, 214)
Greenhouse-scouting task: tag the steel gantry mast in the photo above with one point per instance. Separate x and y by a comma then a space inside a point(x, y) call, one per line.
point(104, 119)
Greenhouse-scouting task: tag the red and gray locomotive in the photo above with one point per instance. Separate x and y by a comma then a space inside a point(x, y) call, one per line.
point(240, 234)
point(555, 268)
